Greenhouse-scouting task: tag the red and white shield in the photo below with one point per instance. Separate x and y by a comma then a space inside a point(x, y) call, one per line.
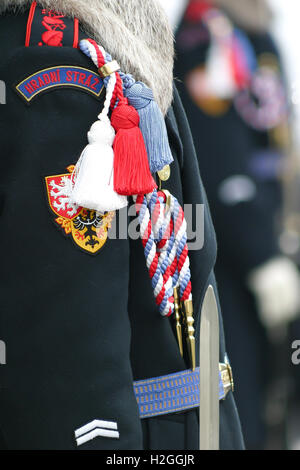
point(59, 189)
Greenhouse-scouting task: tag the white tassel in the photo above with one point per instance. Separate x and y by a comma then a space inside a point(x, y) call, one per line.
point(94, 184)
point(94, 172)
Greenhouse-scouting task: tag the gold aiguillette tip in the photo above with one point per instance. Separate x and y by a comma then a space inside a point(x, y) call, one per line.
point(177, 319)
point(189, 318)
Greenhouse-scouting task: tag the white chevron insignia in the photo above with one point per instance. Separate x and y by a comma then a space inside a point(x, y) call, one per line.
point(95, 429)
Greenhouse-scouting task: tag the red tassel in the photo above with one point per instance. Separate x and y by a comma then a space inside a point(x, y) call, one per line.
point(132, 174)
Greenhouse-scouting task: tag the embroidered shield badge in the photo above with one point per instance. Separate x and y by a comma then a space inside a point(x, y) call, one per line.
point(87, 228)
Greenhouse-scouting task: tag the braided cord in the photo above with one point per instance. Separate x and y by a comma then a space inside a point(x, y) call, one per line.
point(164, 236)
point(100, 57)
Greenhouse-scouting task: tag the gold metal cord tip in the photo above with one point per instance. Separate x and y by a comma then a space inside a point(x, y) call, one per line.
point(168, 207)
point(190, 330)
point(177, 319)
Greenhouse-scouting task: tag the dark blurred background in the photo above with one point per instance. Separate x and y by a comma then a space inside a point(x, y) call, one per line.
point(237, 70)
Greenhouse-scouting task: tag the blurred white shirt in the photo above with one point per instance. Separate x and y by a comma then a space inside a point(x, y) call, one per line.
point(287, 33)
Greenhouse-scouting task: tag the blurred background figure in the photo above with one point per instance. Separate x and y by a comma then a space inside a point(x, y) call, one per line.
point(233, 87)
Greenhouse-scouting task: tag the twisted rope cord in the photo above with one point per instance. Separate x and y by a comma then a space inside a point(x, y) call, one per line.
point(166, 307)
point(103, 116)
point(163, 227)
point(99, 56)
point(169, 265)
point(182, 253)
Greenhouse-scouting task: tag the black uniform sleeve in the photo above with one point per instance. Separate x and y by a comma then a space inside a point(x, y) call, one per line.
point(63, 313)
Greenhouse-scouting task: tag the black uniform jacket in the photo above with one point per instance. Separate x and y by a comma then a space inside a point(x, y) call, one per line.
point(79, 329)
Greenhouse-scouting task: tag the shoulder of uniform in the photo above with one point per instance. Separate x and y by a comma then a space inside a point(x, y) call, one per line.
point(136, 33)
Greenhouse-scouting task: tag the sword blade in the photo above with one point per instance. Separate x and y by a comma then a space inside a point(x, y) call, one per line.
point(209, 373)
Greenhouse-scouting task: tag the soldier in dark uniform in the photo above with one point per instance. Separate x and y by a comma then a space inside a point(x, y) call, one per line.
point(227, 74)
point(78, 315)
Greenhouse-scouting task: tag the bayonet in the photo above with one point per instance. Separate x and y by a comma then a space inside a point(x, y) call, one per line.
point(209, 373)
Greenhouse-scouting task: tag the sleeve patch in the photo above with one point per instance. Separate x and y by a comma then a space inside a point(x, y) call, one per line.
point(88, 229)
